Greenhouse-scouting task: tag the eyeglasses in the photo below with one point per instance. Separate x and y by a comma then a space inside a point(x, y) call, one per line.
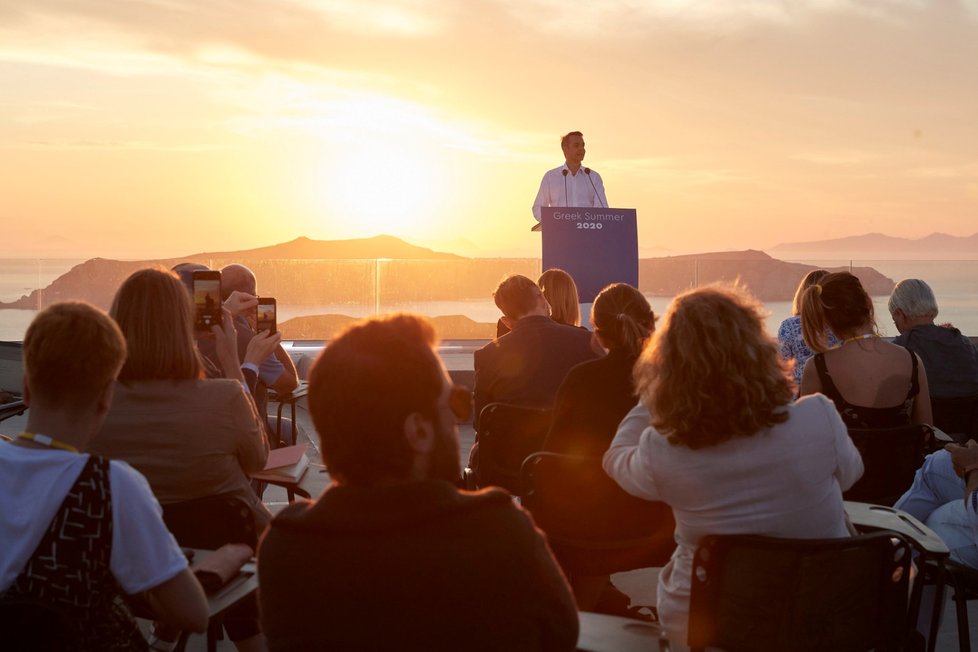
point(460, 402)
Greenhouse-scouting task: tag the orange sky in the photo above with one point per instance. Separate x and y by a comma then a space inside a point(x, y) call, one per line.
point(156, 128)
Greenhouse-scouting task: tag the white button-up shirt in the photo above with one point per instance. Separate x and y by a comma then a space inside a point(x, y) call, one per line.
point(582, 189)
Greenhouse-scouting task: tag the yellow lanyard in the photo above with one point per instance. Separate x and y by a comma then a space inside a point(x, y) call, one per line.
point(44, 440)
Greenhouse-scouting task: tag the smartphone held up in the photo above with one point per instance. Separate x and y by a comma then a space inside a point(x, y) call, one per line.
point(267, 315)
point(207, 300)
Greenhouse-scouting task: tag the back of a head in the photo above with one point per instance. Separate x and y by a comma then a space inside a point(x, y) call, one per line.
point(236, 277)
point(516, 296)
point(914, 298)
point(711, 372)
point(811, 278)
point(186, 273)
point(72, 351)
point(838, 303)
point(363, 386)
point(156, 316)
point(560, 291)
point(623, 318)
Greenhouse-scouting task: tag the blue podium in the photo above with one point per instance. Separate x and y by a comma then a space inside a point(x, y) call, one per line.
point(597, 246)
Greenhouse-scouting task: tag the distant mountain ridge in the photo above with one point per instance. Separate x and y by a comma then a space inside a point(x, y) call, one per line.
point(936, 245)
point(379, 246)
point(385, 272)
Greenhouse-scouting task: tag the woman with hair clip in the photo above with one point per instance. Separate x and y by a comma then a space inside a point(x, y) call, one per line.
point(190, 436)
point(595, 395)
point(591, 402)
point(873, 383)
point(793, 347)
point(727, 448)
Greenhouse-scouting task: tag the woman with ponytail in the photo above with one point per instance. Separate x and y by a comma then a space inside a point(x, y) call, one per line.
point(873, 383)
point(793, 347)
point(590, 403)
point(596, 394)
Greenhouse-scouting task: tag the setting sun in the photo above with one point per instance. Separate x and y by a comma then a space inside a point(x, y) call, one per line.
point(384, 187)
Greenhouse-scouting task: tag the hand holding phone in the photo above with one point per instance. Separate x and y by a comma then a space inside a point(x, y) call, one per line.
point(238, 302)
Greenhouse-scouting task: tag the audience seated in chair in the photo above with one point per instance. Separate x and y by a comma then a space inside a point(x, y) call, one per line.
point(393, 555)
point(252, 348)
point(950, 358)
point(594, 398)
point(51, 490)
point(727, 448)
point(874, 384)
point(944, 495)
point(276, 371)
point(190, 436)
point(527, 365)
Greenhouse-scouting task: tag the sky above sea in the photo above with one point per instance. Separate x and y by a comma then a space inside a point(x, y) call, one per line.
point(145, 129)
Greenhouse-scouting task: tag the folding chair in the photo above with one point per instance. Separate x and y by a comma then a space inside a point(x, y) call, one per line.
point(593, 526)
point(957, 416)
point(507, 435)
point(964, 580)
point(762, 594)
point(209, 523)
point(891, 457)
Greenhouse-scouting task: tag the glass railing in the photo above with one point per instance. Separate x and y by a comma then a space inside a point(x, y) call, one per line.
point(316, 298)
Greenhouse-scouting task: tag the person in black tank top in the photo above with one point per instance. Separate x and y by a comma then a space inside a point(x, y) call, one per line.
point(896, 396)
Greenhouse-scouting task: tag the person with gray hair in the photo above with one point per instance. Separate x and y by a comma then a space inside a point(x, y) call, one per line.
point(949, 357)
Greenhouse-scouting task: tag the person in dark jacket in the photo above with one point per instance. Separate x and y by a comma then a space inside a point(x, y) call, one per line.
point(392, 556)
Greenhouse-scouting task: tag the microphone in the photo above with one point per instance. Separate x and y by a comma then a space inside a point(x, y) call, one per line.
point(587, 171)
point(564, 172)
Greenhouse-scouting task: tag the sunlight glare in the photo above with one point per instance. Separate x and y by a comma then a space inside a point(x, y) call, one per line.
point(384, 187)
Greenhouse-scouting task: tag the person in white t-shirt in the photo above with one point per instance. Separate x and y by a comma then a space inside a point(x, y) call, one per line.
point(570, 184)
point(77, 527)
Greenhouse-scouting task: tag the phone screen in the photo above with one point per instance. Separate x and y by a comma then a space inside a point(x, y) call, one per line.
point(267, 316)
point(207, 300)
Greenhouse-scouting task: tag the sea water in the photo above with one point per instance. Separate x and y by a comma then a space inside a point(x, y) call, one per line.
point(954, 282)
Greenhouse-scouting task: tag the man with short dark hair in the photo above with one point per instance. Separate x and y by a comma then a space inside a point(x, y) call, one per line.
point(527, 365)
point(392, 555)
point(569, 184)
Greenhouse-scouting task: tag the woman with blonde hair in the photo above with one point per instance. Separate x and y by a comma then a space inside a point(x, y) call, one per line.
point(873, 383)
point(793, 347)
point(727, 448)
point(190, 436)
point(561, 293)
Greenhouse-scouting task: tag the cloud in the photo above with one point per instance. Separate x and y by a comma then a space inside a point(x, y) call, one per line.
point(838, 157)
point(134, 145)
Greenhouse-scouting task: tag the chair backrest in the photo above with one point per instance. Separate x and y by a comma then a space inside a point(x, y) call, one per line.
point(765, 594)
point(507, 435)
point(11, 366)
point(29, 624)
point(211, 521)
point(593, 526)
point(957, 416)
point(891, 457)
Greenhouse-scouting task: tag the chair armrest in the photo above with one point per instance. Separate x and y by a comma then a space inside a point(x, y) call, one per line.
point(867, 517)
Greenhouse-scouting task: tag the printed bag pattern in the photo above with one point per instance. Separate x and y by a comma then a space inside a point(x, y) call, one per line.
point(71, 565)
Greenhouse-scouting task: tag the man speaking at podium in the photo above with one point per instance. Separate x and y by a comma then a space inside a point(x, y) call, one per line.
point(570, 184)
